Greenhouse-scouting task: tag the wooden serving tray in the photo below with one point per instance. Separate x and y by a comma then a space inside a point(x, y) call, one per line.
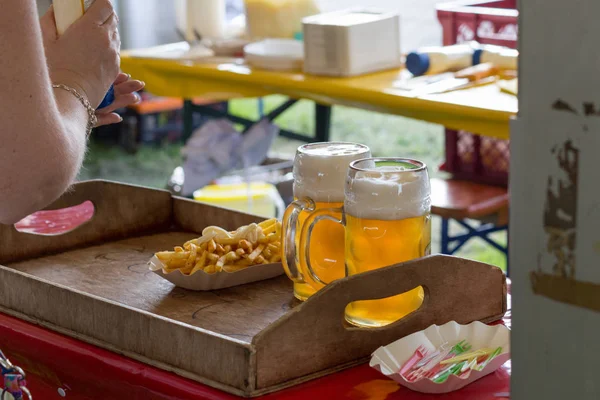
point(93, 284)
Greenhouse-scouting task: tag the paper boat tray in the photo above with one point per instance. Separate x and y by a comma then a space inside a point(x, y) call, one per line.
point(93, 284)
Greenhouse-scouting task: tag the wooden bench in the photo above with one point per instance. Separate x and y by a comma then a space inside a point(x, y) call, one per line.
point(163, 104)
point(138, 118)
point(463, 201)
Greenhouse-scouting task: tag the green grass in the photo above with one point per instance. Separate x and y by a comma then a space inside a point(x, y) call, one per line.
point(150, 166)
point(386, 135)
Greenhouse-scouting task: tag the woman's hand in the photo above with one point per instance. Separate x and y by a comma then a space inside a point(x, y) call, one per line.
point(125, 95)
point(86, 57)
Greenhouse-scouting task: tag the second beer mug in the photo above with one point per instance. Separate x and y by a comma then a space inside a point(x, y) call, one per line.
point(320, 171)
point(386, 217)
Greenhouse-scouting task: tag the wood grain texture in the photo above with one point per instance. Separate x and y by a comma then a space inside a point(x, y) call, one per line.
point(118, 272)
point(248, 340)
point(117, 325)
point(135, 356)
point(120, 211)
point(458, 199)
point(314, 335)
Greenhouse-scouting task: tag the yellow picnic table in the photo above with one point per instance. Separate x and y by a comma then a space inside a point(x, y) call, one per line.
point(484, 110)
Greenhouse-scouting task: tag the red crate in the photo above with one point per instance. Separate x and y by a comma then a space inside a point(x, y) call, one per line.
point(470, 156)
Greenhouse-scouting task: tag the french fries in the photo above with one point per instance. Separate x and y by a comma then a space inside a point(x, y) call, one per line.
point(218, 250)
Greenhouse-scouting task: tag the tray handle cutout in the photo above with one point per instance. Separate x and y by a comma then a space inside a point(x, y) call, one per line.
point(381, 311)
point(455, 289)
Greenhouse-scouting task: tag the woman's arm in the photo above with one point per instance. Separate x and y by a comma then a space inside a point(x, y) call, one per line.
point(42, 130)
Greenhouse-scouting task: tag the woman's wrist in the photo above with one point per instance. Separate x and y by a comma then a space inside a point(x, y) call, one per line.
point(91, 112)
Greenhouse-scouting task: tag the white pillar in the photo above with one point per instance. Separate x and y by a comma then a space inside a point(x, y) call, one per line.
point(555, 203)
point(146, 23)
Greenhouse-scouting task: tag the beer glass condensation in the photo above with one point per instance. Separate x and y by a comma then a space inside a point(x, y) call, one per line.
point(320, 171)
point(387, 220)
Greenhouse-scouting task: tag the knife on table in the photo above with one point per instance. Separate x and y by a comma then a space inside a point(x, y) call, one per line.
point(479, 75)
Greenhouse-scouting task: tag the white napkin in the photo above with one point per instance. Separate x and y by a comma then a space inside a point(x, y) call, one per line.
point(217, 148)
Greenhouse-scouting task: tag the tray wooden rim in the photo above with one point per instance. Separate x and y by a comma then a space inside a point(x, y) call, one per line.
point(258, 375)
point(132, 309)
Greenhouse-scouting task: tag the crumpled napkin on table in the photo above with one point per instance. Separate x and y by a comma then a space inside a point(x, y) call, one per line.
point(217, 147)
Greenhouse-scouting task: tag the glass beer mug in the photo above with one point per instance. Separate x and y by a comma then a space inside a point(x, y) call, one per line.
point(386, 218)
point(320, 171)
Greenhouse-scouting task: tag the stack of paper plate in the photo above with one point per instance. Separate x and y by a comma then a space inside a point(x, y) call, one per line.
point(276, 54)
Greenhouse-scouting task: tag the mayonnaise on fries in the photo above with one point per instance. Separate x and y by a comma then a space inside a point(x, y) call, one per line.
point(218, 250)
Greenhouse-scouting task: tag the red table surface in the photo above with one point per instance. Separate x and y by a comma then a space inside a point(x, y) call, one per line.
point(86, 372)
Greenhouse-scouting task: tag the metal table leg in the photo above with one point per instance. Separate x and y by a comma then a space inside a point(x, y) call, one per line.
point(188, 119)
point(322, 122)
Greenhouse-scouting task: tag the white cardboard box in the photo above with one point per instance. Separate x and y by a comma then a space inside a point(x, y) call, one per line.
point(351, 42)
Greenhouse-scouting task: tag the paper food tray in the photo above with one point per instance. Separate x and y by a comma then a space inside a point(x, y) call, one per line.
point(389, 359)
point(220, 280)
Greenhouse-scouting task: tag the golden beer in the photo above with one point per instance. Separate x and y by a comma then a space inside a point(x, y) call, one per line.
point(320, 171)
point(372, 244)
point(326, 252)
point(387, 220)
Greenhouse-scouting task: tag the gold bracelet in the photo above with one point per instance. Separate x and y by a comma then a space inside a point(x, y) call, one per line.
point(92, 118)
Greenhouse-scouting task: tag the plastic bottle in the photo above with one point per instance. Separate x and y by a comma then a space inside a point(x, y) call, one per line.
point(207, 18)
point(434, 60)
point(277, 19)
point(500, 57)
point(66, 12)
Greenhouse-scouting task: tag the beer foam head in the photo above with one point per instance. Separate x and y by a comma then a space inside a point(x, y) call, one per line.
point(320, 169)
point(388, 192)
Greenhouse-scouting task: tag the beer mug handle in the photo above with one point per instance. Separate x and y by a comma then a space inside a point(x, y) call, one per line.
point(305, 237)
point(289, 228)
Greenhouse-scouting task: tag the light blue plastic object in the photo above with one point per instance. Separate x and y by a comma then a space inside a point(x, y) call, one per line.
point(108, 99)
point(299, 36)
point(477, 56)
point(417, 63)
